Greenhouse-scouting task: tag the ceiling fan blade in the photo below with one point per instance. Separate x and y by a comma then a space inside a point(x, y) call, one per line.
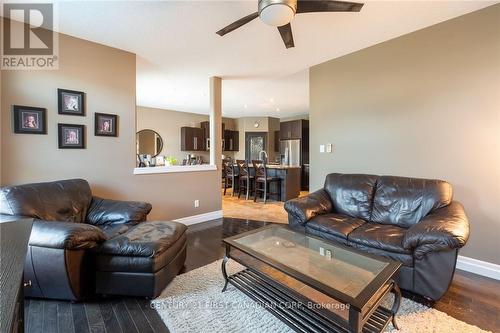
point(313, 6)
point(286, 35)
point(237, 24)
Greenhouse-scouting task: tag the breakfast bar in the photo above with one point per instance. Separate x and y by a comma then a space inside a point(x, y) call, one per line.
point(289, 176)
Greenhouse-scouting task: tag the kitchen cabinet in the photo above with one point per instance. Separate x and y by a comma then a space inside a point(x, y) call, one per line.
point(305, 177)
point(293, 129)
point(277, 141)
point(231, 140)
point(205, 125)
point(192, 139)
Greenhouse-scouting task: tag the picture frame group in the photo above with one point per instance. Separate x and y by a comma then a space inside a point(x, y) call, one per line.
point(33, 120)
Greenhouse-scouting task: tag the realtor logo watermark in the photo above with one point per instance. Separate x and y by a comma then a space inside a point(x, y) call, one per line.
point(29, 41)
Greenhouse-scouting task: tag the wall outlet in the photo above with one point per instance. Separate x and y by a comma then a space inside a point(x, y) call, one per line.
point(329, 148)
point(196, 203)
point(321, 148)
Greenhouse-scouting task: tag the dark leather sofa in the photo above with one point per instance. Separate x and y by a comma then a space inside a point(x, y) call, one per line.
point(413, 221)
point(81, 244)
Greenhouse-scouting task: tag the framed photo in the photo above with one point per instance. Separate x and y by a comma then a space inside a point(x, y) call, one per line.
point(71, 136)
point(106, 124)
point(29, 120)
point(71, 102)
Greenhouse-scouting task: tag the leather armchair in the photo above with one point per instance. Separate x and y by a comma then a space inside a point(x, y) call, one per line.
point(410, 220)
point(69, 225)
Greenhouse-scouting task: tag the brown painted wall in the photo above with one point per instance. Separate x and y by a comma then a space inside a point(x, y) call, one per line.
point(107, 75)
point(424, 105)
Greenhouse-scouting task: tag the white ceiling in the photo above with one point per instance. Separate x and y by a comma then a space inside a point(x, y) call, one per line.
point(177, 48)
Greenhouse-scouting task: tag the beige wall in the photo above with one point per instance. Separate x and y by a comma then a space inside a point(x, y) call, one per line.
point(107, 75)
point(425, 105)
point(266, 124)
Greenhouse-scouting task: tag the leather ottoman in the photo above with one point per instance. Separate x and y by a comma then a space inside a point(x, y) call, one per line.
point(141, 261)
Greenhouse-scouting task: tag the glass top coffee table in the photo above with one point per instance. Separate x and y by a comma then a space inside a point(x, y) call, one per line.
point(311, 284)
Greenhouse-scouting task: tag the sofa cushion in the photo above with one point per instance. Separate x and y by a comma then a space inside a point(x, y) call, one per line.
point(351, 194)
point(147, 239)
point(64, 201)
point(337, 225)
point(114, 263)
point(380, 236)
point(405, 201)
point(404, 258)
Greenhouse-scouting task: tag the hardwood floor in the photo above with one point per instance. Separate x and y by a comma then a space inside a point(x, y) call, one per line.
point(471, 298)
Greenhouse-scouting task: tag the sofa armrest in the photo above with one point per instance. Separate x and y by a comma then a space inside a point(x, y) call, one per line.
point(305, 208)
point(446, 228)
point(106, 211)
point(65, 235)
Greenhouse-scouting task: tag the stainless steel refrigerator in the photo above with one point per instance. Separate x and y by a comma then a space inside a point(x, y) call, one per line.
point(290, 152)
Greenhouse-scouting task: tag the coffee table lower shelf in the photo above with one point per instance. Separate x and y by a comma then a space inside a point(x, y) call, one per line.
point(299, 318)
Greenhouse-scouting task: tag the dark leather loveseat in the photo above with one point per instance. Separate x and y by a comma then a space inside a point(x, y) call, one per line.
point(81, 244)
point(413, 221)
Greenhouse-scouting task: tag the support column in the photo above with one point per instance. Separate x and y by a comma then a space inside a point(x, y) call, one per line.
point(216, 121)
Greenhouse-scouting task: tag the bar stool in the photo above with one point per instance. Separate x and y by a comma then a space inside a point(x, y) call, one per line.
point(230, 175)
point(245, 180)
point(261, 177)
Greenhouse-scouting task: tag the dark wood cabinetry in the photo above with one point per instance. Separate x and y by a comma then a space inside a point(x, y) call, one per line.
point(277, 141)
point(231, 140)
point(192, 139)
point(292, 129)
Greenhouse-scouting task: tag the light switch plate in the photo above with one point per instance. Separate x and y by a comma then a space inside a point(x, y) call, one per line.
point(321, 148)
point(329, 148)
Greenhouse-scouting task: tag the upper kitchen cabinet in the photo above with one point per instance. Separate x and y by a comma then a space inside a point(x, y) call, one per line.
point(231, 140)
point(192, 139)
point(294, 129)
point(205, 125)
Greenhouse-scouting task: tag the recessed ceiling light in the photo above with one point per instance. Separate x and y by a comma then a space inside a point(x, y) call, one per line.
point(278, 109)
point(271, 100)
point(245, 106)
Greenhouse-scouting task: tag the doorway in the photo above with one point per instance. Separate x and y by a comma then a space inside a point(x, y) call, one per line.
point(255, 142)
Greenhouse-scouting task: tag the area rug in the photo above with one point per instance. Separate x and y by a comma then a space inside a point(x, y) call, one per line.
point(193, 302)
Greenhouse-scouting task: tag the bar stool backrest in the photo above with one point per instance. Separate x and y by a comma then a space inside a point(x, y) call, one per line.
point(260, 169)
point(243, 168)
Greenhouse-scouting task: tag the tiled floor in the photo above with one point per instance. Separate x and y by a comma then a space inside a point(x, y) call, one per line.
point(271, 211)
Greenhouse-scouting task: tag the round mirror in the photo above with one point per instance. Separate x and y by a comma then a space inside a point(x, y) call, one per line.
point(149, 142)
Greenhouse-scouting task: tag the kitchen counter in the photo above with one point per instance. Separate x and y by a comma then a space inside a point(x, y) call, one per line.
point(282, 166)
point(290, 180)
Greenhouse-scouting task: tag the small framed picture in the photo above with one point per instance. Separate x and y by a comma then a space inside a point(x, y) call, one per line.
point(106, 124)
point(71, 102)
point(71, 136)
point(29, 120)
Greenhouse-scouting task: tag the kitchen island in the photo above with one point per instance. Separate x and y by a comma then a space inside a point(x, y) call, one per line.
point(290, 180)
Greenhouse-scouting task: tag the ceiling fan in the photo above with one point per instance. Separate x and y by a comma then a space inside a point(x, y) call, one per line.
point(279, 13)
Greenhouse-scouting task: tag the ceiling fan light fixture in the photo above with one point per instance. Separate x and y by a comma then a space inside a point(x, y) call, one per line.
point(277, 12)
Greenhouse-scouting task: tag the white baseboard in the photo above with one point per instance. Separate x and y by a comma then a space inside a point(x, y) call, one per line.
point(479, 267)
point(190, 220)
